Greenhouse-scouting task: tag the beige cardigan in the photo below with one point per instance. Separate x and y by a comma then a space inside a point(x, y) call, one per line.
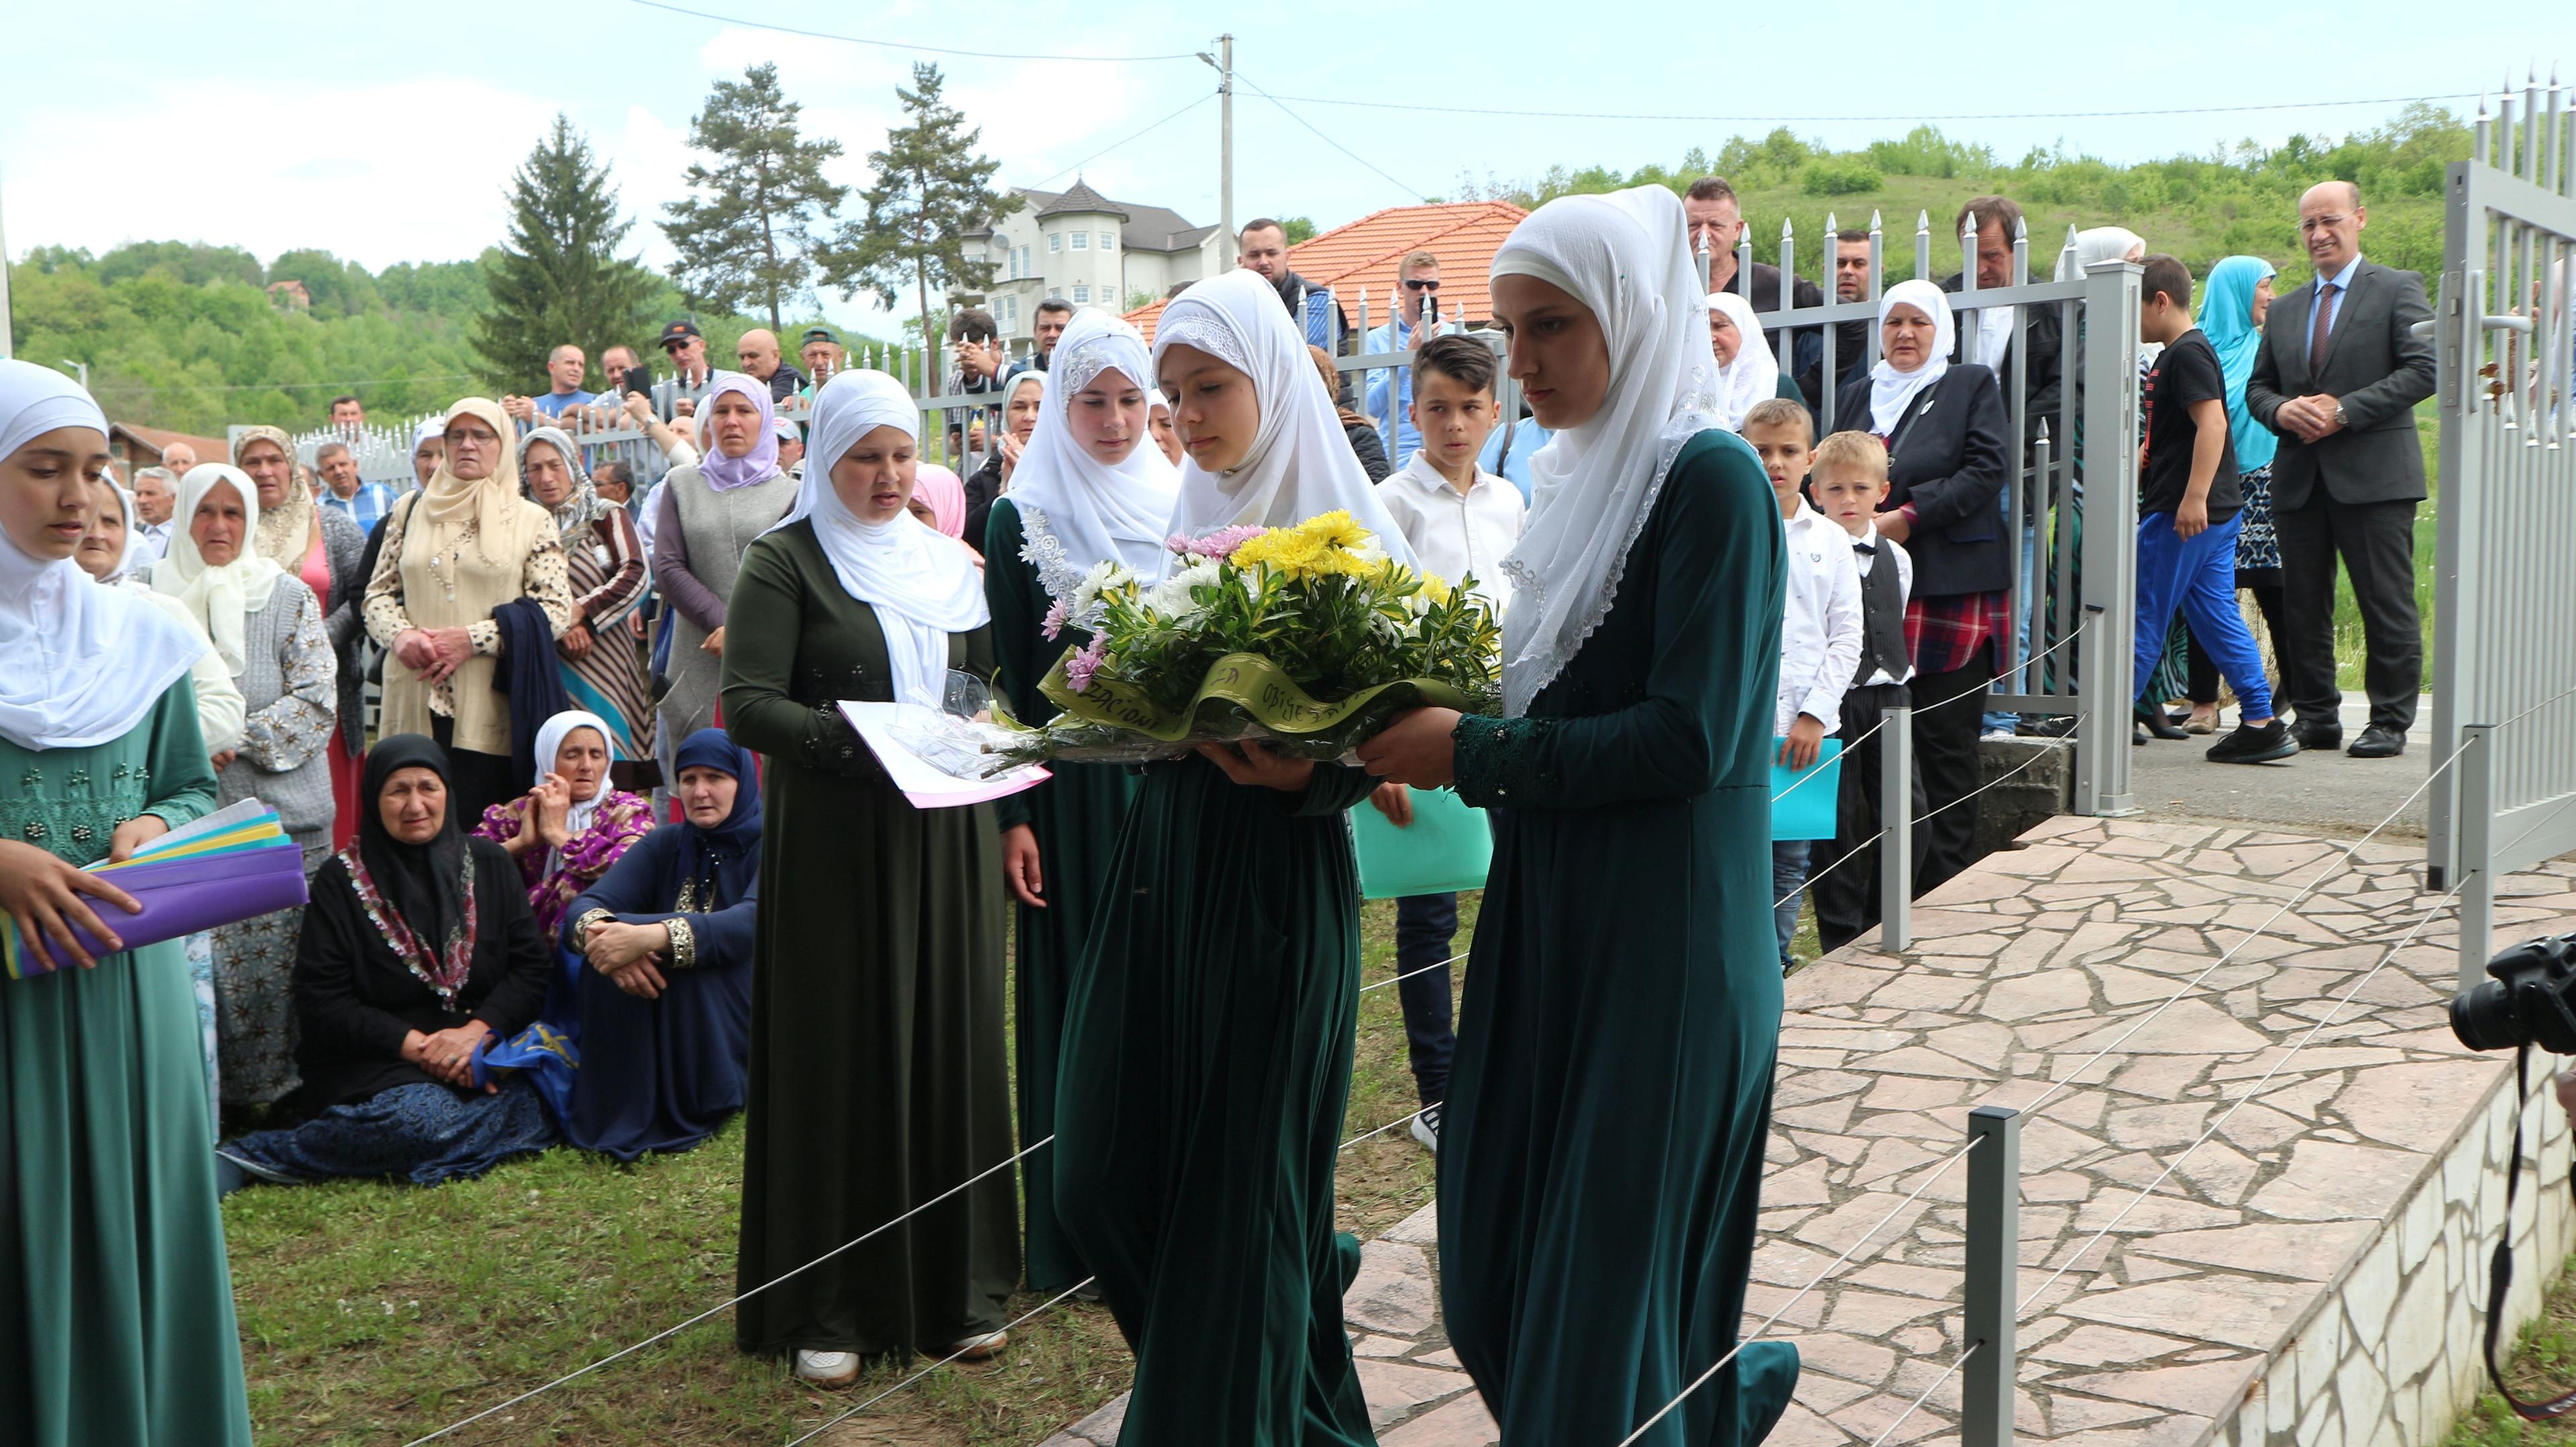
point(405, 593)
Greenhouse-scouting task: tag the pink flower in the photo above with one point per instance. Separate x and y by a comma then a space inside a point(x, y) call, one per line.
point(1079, 668)
point(1055, 619)
point(1218, 544)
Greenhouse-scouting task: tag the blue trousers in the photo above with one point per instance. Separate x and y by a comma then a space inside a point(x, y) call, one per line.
point(1426, 925)
point(1788, 889)
point(2197, 576)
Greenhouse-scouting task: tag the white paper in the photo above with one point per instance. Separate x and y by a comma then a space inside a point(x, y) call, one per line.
point(927, 786)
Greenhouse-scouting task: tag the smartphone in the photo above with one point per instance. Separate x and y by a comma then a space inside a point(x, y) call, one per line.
point(635, 381)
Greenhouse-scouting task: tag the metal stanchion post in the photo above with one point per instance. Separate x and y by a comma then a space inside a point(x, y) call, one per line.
point(1994, 1273)
point(2477, 862)
point(1896, 821)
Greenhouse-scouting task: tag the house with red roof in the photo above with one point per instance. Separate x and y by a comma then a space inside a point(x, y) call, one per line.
point(1364, 256)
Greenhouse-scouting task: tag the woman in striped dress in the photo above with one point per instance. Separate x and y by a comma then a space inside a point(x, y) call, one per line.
point(601, 664)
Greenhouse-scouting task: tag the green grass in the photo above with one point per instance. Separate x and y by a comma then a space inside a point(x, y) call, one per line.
point(2543, 1365)
point(372, 1313)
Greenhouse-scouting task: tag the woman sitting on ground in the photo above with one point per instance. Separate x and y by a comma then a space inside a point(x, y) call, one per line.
point(666, 1006)
point(418, 947)
point(572, 825)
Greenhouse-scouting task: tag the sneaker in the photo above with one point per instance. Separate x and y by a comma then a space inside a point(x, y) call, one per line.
point(829, 1370)
point(1426, 1128)
point(1998, 735)
point(982, 1347)
point(2252, 744)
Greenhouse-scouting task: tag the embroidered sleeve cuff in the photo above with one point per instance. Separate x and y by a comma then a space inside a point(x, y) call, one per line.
point(1495, 761)
point(684, 944)
point(582, 927)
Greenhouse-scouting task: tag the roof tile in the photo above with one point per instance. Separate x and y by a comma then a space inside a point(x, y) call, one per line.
point(1365, 254)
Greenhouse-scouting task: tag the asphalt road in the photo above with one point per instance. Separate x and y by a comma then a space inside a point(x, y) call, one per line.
point(2326, 793)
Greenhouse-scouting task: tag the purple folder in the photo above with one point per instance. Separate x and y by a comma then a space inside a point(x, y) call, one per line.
point(179, 897)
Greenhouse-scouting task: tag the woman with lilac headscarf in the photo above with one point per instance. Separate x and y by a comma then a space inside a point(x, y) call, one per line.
point(707, 514)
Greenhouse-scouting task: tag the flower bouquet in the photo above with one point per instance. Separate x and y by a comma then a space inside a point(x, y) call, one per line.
point(1308, 638)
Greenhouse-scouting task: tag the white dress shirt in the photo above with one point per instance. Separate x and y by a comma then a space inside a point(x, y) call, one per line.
point(1884, 546)
point(1454, 534)
point(1820, 634)
point(158, 534)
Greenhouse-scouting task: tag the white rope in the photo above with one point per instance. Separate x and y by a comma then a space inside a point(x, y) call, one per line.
point(1409, 974)
point(1947, 1372)
point(1831, 1267)
point(1023, 1317)
point(727, 1304)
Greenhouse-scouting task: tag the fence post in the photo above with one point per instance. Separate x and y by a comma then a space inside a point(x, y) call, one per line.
point(2110, 470)
point(1994, 1276)
point(1896, 816)
point(2477, 860)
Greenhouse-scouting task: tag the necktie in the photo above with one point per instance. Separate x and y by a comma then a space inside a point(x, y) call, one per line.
point(2323, 322)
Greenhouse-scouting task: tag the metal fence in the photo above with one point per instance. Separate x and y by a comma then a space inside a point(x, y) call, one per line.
point(2504, 618)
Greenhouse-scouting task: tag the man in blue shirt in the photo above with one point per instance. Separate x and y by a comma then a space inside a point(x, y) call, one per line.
point(342, 488)
point(565, 367)
point(1390, 393)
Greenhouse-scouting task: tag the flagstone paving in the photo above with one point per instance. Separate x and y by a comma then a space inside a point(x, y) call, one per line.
point(2302, 1274)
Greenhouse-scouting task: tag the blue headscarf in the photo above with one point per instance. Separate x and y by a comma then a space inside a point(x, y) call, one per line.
point(727, 856)
point(2227, 319)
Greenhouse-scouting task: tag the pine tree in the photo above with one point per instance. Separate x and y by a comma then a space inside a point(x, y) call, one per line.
point(932, 188)
point(748, 240)
point(557, 278)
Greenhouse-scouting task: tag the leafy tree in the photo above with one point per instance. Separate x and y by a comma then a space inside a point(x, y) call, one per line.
point(337, 288)
point(931, 189)
point(559, 279)
point(749, 238)
point(1297, 228)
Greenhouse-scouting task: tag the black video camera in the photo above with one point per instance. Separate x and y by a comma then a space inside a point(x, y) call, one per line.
point(2527, 1003)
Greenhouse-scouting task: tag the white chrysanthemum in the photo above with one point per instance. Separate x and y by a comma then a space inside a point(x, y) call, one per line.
point(1171, 598)
point(1105, 576)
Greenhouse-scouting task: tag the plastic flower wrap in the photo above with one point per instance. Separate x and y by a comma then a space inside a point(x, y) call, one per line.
point(1307, 637)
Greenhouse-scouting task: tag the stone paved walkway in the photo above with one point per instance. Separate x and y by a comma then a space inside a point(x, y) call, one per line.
point(2023, 968)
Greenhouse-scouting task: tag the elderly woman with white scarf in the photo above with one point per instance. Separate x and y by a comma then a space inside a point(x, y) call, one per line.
point(1601, 1154)
point(879, 1073)
point(107, 1190)
point(267, 628)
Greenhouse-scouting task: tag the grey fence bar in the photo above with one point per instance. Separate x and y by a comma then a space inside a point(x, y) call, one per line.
point(1994, 1275)
point(1896, 816)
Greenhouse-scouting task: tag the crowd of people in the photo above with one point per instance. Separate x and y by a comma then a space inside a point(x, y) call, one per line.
point(602, 871)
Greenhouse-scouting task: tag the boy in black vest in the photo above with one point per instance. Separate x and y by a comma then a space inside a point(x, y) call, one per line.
point(1846, 480)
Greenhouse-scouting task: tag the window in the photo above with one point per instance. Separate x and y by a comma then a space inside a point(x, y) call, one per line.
point(1024, 261)
point(1055, 241)
point(1081, 240)
point(1082, 293)
point(1109, 241)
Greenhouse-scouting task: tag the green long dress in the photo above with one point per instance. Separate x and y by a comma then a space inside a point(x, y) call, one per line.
point(1207, 1060)
point(1075, 816)
point(1601, 1154)
point(878, 1079)
point(116, 1307)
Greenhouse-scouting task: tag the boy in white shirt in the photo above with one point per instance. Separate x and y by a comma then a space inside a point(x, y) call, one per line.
point(1848, 480)
point(1460, 521)
point(1819, 635)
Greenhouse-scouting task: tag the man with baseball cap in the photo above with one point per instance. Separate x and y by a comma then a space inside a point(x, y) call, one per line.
point(686, 347)
point(822, 353)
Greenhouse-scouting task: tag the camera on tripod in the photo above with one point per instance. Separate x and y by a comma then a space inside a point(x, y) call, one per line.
point(2527, 1003)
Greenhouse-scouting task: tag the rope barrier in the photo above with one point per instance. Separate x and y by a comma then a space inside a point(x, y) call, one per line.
point(1409, 974)
point(1023, 1317)
point(1947, 1373)
point(1704, 1378)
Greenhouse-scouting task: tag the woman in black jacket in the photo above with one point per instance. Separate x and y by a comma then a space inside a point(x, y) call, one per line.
point(418, 949)
point(1945, 429)
point(1361, 433)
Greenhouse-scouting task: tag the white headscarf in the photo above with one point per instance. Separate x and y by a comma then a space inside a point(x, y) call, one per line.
point(923, 585)
point(550, 740)
point(1892, 391)
point(139, 555)
point(220, 599)
point(1754, 376)
point(1626, 257)
point(1077, 510)
point(85, 663)
point(2096, 245)
point(1300, 464)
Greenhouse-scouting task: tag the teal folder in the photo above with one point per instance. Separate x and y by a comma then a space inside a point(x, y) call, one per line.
point(1806, 811)
point(1448, 847)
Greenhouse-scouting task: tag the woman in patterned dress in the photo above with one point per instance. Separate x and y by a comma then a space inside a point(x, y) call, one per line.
point(601, 665)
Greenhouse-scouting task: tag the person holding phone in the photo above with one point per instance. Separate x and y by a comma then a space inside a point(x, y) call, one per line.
point(1389, 394)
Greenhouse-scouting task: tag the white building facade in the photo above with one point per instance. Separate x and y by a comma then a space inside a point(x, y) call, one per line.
point(1086, 249)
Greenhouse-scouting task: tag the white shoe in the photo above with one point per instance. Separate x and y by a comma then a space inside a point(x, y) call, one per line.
point(979, 1348)
point(828, 1370)
point(1426, 1128)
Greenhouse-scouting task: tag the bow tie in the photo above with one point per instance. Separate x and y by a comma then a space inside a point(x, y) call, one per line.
point(1865, 549)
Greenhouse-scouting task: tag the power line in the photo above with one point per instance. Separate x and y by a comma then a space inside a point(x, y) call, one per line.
point(904, 44)
point(1114, 145)
point(1328, 140)
point(1881, 119)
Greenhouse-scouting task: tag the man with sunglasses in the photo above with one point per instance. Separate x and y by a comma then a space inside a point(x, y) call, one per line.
point(1390, 393)
point(686, 348)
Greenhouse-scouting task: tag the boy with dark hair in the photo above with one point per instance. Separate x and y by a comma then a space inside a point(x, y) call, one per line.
point(1848, 480)
point(1460, 520)
point(1819, 633)
point(2190, 502)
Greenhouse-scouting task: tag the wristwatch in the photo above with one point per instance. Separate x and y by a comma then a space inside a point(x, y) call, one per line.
point(2339, 422)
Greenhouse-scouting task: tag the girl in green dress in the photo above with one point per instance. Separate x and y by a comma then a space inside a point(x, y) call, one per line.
point(1208, 1036)
point(1601, 1155)
point(878, 1078)
point(116, 1314)
point(1089, 488)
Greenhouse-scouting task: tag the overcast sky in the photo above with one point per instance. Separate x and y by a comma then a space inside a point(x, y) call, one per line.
point(388, 132)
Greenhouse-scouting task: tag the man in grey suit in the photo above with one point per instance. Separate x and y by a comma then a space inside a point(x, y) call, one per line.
point(2338, 378)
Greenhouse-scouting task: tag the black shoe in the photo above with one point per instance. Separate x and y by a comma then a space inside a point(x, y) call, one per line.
point(2254, 744)
point(2318, 738)
point(2137, 731)
point(2378, 742)
point(2051, 726)
point(2155, 722)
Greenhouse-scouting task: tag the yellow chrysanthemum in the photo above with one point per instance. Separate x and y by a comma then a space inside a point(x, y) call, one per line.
point(1283, 550)
point(1336, 529)
point(1435, 588)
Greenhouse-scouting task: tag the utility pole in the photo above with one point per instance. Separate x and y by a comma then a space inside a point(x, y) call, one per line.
point(1223, 63)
